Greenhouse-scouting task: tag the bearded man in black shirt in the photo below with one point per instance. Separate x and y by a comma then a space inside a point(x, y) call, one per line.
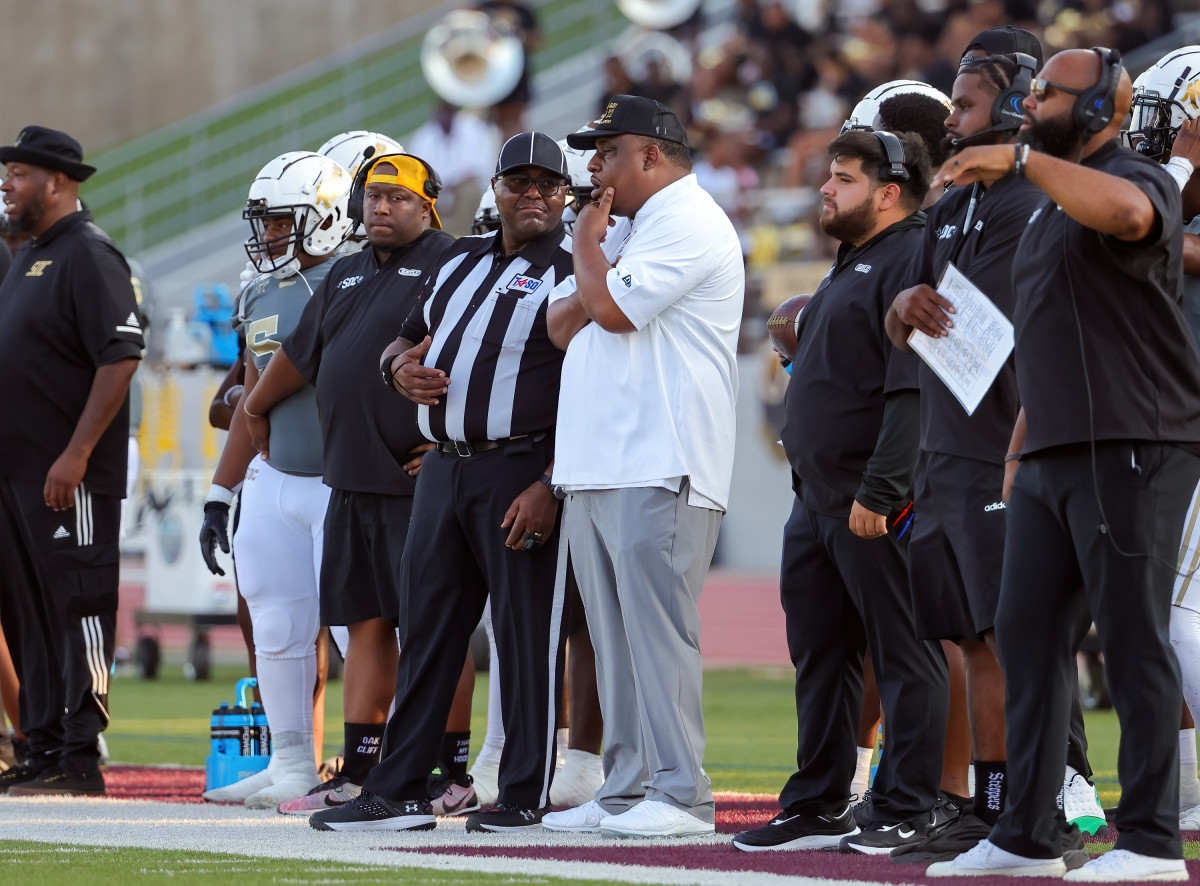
point(1108, 379)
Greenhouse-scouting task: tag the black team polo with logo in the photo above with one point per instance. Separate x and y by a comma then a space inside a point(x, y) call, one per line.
point(843, 594)
point(368, 433)
point(495, 435)
point(66, 308)
point(1109, 379)
point(957, 544)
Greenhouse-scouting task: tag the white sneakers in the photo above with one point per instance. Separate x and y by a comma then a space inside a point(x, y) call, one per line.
point(1118, 865)
point(1080, 803)
point(654, 818)
point(290, 774)
point(986, 859)
point(650, 818)
point(583, 819)
point(1189, 819)
point(577, 780)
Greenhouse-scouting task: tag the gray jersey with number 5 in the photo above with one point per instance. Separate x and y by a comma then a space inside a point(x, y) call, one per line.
point(268, 311)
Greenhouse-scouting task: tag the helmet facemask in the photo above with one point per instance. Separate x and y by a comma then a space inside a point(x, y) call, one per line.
point(1154, 125)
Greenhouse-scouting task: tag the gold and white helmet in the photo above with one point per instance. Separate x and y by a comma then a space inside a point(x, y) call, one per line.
point(1164, 96)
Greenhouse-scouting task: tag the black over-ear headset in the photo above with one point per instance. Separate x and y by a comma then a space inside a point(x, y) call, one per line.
point(1095, 106)
point(895, 170)
point(358, 190)
point(1007, 111)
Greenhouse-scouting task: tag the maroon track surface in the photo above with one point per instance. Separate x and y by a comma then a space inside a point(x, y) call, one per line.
point(733, 814)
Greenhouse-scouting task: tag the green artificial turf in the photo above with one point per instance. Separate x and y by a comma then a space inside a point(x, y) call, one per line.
point(42, 864)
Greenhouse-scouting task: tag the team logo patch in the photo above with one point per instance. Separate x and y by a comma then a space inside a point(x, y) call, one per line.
point(350, 281)
point(945, 232)
point(863, 269)
point(37, 268)
point(524, 284)
point(409, 272)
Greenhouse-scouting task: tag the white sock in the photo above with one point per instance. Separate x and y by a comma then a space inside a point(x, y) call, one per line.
point(1189, 784)
point(493, 741)
point(862, 772)
point(286, 687)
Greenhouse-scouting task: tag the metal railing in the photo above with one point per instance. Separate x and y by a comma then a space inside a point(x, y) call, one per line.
point(168, 182)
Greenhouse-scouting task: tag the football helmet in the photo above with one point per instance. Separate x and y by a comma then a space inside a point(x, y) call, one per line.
point(350, 148)
point(1164, 97)
point(487, 216)
point(312, 191)
point(866, 111)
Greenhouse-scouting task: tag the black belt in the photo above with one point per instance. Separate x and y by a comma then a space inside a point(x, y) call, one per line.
point(462, 449)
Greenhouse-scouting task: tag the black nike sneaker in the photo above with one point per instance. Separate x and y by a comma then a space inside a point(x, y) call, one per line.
point(793, 830)
point(880, 838)
point(944, 843)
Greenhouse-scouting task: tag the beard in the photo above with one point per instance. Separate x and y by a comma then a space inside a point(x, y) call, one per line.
point(27, 219)
point(851, 225)
point(1055, 136)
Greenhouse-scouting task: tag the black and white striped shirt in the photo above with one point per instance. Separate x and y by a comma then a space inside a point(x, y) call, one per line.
point(487, 317)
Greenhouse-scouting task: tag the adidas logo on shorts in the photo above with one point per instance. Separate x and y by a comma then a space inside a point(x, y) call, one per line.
point(995, 506)
point(61, 532)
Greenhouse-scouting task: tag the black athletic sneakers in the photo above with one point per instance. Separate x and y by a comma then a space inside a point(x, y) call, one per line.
point(790, 830)
point(505, 817)
point(944, 843)
point(367, 812)
point(17, 775)
point(863, 809)
point(880, 838)
point(60, 781)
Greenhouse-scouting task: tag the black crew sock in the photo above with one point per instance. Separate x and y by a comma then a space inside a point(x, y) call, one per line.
point(456, 750)
point(364, 745)
point(991, 787)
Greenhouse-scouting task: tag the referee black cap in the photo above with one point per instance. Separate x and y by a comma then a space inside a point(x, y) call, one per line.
point(50, 149)
point(1005, 41)
point(631, 115)
point(532, 149)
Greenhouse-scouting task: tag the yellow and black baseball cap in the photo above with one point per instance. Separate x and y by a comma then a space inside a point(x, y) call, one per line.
point(407, 171)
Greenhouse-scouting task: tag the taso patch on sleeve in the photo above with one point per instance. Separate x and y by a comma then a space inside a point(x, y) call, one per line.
point(627, 281)
point(523, 284)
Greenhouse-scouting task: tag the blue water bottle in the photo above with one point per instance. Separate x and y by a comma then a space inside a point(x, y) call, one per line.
point(261, 731)
point(232, 738)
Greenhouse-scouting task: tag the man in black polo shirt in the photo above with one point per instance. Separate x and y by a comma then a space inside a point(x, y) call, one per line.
point(851, 435)
point(70, 340)
point(1108, 378)
point(370, 440)
point(477, 359)
point(957, 543)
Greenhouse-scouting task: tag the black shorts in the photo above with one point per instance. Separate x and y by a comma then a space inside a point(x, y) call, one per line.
point(360, 566)
point(957, 546)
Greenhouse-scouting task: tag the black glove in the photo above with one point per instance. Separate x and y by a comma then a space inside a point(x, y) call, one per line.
point(214, 531)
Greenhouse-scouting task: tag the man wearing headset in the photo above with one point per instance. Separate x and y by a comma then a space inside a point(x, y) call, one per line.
point(476, 358)
point(851, 435)
point(1106, 441)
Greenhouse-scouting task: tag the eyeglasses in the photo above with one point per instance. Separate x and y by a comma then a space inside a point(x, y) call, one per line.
point(519, 184)
point(1041, 84)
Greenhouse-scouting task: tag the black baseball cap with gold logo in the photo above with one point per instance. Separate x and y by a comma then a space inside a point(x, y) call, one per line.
point(631, 115)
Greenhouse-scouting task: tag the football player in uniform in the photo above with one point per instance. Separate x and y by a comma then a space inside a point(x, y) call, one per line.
point(1165, 126)
point(297, 209)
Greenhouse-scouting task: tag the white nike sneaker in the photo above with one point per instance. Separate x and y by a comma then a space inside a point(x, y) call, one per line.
point(986, 859)
point(654, 818)
point(583, 819)
point(1120, 865)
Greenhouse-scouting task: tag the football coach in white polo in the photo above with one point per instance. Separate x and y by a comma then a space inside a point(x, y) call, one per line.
point(650, 323)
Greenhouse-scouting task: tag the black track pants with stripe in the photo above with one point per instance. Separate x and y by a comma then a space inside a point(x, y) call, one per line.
point(58, 609)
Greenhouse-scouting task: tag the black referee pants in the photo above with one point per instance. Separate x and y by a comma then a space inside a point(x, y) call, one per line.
point(58, 607)
point(842, 595)
point(454, 559)
point(1062, 570)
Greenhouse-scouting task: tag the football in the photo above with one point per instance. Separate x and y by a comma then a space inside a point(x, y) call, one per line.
point(783, 323)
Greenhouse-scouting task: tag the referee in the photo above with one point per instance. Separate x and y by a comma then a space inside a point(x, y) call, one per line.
point(476, 358)
point(70, 340)
point(1108, 376)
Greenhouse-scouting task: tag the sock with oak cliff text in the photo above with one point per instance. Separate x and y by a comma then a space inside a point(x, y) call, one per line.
point(364, 743)
point(991, 787)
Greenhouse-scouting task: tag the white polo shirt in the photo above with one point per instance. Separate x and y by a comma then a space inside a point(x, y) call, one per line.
point(653, 406)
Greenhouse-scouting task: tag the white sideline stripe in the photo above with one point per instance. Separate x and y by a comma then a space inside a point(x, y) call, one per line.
point(238, 831)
